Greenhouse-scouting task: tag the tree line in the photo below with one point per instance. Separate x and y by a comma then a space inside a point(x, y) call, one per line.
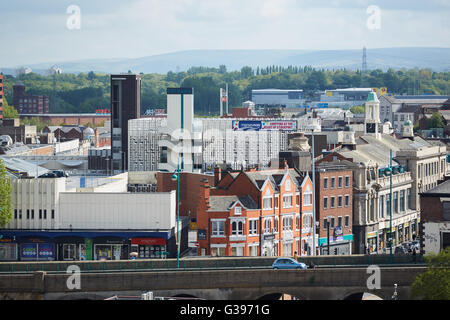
point(86, 92)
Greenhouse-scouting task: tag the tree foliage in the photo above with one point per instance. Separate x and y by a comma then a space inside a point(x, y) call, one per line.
point(436, 121)
point(5, 197)
point(85, 92)
point(434, 284)
point(358, 109)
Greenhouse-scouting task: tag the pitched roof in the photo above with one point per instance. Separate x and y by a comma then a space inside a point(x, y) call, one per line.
point(440, 189)
point(223, 203)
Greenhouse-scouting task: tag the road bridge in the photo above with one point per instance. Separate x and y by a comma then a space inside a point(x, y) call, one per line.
point(328, 283)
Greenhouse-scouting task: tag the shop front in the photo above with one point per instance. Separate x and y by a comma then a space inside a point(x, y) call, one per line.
point(111, 248)
point(37, 249)
point(8, 249)
point(372, 242)
point(400, 233)
point(267, 245)
point(407, 231)
point(388, 237)
point(381, 240)
point(149, 248)
point(73, 248)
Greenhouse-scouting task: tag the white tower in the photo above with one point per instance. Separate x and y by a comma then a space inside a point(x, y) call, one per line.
point(372, 116)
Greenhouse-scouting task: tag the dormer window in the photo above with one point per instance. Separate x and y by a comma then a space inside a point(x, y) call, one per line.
point(237, 211)
point(288, 185)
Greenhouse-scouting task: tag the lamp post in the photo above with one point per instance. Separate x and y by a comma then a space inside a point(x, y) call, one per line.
point(313, 127)
point(389, 170)
point(176, 176)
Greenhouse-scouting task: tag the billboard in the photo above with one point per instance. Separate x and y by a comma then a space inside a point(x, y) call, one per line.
point(260, 125)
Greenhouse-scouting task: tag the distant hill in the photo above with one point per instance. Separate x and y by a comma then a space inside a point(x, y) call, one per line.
point(437, 59)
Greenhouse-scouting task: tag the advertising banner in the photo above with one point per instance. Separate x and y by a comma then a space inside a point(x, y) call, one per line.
point(28, 251)
point(258, 125)
point(46, 251)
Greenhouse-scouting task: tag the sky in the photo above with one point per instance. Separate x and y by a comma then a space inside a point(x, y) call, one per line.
point(52, 31)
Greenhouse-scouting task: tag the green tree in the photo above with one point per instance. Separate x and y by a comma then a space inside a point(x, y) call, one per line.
point(5, 197)
point(434, 284)
point(358, 109)
point(9, 112)
point(436, 121)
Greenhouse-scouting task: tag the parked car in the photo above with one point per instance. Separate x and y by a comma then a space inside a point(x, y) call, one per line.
point(407, 246)
point(400, 250)
point(60, 173)
point(288, 263)
point(48, 175)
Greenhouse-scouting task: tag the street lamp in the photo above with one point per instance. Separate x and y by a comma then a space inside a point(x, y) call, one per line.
point(176, 176)
point(313, 127)
point(389, 171)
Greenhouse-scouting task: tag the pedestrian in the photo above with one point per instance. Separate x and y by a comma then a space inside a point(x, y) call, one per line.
point(312, 265)
point(414, 255)
point(295, 256)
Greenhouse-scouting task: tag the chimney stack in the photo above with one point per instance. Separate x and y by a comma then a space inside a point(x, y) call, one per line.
point(217, 175)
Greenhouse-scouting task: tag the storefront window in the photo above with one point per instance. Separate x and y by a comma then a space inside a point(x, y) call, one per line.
point(8, 251)
point(69, 252)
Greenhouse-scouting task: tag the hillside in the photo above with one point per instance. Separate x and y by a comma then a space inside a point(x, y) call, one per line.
point(437, 59)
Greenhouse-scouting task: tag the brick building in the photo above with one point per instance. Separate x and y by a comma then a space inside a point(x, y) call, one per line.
point(27, 103)
point(334, 205)
point(190, 190)
point(70, 118)
point(256, 213)
point(435, 219)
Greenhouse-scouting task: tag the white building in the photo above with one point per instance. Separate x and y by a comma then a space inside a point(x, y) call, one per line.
point(275, 97)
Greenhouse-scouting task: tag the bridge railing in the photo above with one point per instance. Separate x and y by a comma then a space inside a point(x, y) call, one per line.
point(203, 263)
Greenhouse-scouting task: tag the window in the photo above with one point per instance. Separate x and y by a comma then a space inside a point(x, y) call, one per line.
point(40, 213)
point(395, 202)
point(339, 221)
point(347, 181)
point(325, 202)
point(347, 200)
point(325, 222)
point(276, 202)
point(346, 221)
point(288, 185)
point(333, 182)
point(275, 225)
point(339, 182)
point(267, 225)
point(325, 183)
point(332, 202)
point(332, 222)
point(237, 228)
point(45, 213)
point(287, 223)
point(287, 201)
point(28, 213)
point(297, 201)
point(218, 228)
point(307, 221)
point(307, 199)
point(253, 227)
point(402, 201)
point(237, 210)
point(15, 214)
point(388, 203)
point(297, 222)
point(267, 203)
point(53, 213)
point(408, 198)
point(381, 207)
point(339, 201)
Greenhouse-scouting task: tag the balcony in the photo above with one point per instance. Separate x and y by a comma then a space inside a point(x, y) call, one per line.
point(398, 178)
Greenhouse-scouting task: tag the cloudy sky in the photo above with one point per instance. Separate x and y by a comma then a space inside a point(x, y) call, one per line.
point(46, 31)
